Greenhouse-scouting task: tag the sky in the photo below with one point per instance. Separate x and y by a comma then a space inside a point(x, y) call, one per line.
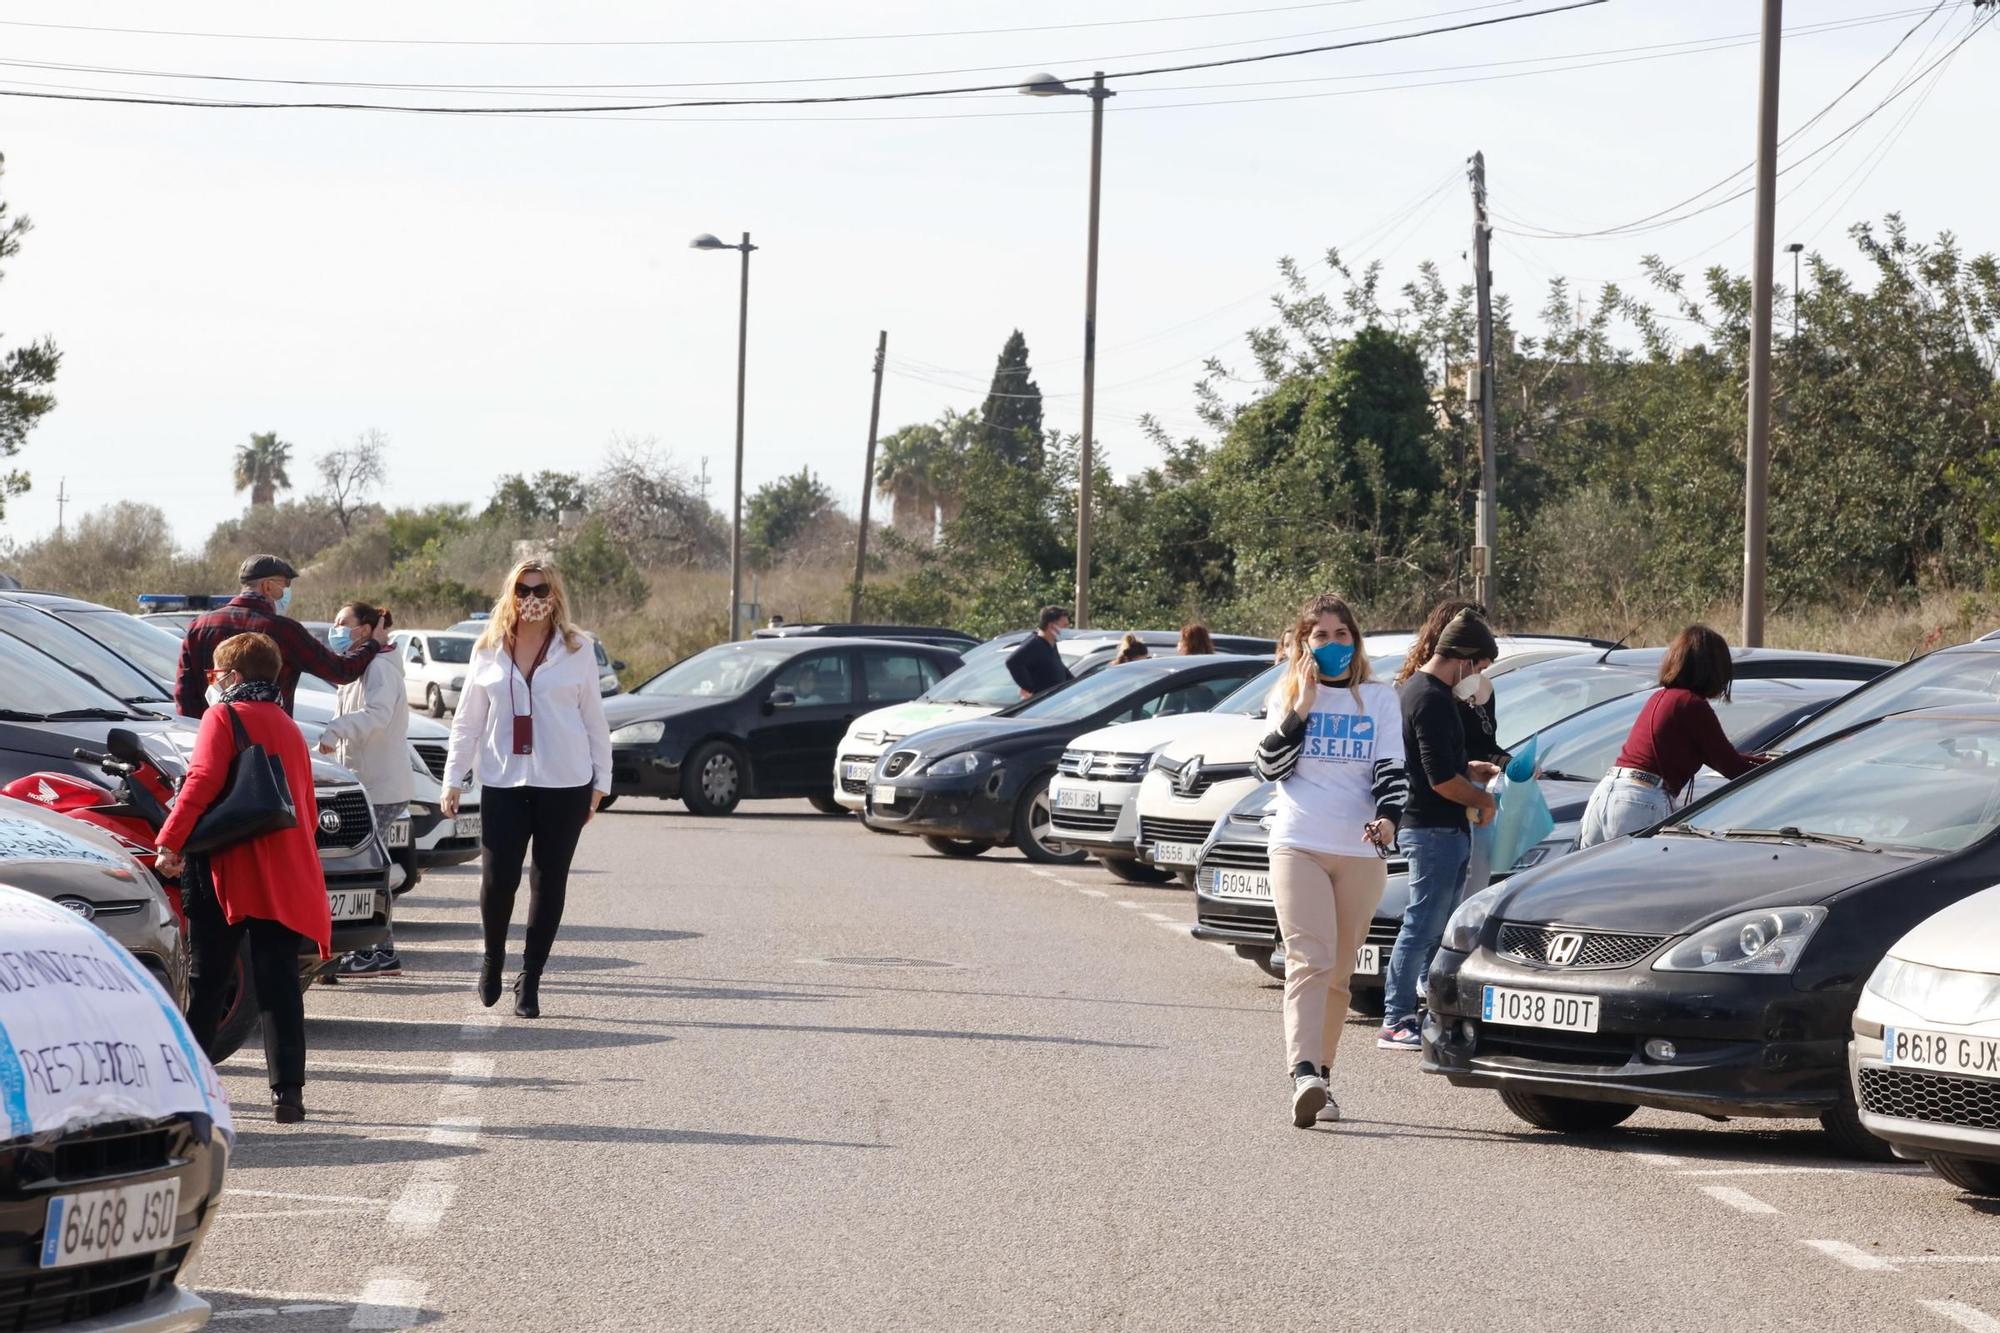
point(510, 293)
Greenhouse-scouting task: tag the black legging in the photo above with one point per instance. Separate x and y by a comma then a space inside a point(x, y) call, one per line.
point(274, 979)
point(552, 818)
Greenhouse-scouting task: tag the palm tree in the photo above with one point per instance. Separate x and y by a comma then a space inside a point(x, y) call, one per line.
point(907, 470)
point(260, 467)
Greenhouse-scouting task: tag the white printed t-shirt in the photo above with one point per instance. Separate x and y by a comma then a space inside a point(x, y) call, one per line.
point(1327, 801)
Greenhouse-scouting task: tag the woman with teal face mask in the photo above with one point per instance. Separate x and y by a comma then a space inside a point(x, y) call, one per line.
point(1336, 755)
point(370, 733)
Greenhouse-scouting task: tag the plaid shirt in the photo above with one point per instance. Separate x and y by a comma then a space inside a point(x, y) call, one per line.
point(250, 613)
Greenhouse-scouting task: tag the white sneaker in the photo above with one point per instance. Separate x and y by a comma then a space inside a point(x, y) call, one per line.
point(1330, 1113)
point(1308, 1096)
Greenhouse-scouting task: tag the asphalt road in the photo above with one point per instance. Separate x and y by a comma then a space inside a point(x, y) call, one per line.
point(794, 1075)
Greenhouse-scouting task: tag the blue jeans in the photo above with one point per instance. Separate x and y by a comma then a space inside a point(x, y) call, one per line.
point(1438, 858)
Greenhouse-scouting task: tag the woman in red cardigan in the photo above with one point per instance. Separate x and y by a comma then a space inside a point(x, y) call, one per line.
point(269, 887)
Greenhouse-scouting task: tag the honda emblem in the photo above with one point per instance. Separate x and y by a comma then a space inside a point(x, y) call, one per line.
point(1564, 948)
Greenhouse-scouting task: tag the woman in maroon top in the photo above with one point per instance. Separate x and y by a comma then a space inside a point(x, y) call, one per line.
point(1674, 736)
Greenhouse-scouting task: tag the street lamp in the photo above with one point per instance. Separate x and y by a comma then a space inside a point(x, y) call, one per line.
point(708, 242)
point(1048, 85)
point(1793, 250)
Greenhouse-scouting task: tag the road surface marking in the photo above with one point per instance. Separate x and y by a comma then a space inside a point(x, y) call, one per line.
point(308, 1198)
point(1126, 902)
point(389, 1299)
point(1091, 893)
point(266, 1312)
point(1178, 927)
point(1945, 1259)
point(286, 1297)
point(455, 1131)
point(1965, 1316)
point(1655, 1158)
point(1158, 916)
point(299, 1212)
point(419, 1210)
point(1737, 1199)
point(1857, 1169)
point(1853, 1256)
point(256, 1066)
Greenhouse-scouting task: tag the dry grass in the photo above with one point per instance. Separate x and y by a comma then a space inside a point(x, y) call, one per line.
point(1894, 630)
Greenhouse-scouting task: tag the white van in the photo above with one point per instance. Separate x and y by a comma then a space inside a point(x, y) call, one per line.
point(434, 667)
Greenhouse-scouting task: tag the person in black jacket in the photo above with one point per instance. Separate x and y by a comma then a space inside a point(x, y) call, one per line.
point(1036, 665)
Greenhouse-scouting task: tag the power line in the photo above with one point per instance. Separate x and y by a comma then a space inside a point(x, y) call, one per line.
point(820, 100)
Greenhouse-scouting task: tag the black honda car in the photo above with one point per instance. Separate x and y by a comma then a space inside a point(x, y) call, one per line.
point(1711, 965)
point(970, 786)
point(759, 719)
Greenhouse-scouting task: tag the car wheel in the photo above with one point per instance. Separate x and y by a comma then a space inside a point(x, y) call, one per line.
point(434, 701)
point(406, 857)
point(962, 848)
point(712, 778)
point(1368, 1003)
point(1565, 1115)
point(1136, 872)
point(1970, 1175)
point(239, 1010)
point(823, 802)
point(1843, 1126)
point(1031, 827)
point(1271, 960)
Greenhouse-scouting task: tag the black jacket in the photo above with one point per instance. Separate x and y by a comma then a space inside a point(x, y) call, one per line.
point(1036, 665)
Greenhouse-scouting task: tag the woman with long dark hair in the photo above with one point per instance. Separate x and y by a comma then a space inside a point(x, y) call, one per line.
point(532, 721)
point(1336, 755)
point(1674, 735)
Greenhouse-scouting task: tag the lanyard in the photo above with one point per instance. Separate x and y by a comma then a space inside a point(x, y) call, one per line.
point(514, 672)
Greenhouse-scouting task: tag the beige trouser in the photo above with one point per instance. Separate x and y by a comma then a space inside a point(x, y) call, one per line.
point(1325, 903)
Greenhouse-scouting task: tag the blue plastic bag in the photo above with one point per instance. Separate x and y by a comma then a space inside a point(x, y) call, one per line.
point(1523, 819)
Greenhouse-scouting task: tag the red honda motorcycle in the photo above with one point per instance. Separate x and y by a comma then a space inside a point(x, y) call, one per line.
point(133, 811)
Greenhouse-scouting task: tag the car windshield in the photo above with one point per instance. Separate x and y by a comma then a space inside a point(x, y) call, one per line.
point(1079, 699)
point(1584, 746)
point(721, 672)
point(983, 684)
point(1940, 679)
point(603, 658)
point(1530, 700)
point(449, 649)
point(153, 650)
point(81, 654)
point(1249, 698)
point(1930, 783)
point(36, 685)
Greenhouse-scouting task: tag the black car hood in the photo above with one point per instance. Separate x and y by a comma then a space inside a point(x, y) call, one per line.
point(1671, 884)
point(981, 733)
point(621, 710)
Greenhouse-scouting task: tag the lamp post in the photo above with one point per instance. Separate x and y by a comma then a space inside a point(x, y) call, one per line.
point(708, 242)
point(1793, 250)
point(1048, 85)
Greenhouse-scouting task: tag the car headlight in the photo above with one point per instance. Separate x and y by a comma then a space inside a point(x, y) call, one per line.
point(1940, 994)
point(639, 733)
point(1461, 933)
point(1764, 941)
point(458, 682)
point(962, 765)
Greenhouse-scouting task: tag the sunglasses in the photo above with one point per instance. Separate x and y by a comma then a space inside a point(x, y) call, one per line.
point(215, 673)
point(535, 590)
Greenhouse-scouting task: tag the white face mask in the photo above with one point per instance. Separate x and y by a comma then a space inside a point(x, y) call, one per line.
point(1474, 689)
point(216, 689)
point(534, 610)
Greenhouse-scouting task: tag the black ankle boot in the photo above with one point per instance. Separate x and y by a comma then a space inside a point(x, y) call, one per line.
point(489, 982)
point(288, 1105)
point(527, 997)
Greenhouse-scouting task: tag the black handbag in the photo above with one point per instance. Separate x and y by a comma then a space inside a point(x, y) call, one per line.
point(255, 799)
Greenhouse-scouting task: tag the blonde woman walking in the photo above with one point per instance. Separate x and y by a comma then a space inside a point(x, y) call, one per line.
point(532, 722)
point(1336, 755)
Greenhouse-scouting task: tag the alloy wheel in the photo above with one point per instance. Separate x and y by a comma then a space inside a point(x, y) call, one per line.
point(718, 779)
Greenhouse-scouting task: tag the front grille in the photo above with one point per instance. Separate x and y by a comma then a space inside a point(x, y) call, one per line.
point(1188, 787)
point(1083, 821)
point(1100, 767)
point(1239, 856)
point(1383, 931)
point(1530, 944)
point(94, 1156)
point(897, 762)
point(433, 755)
point(39, 1298)
point(854, 786)
point(357, 821)
point(1195, 831)
point(1591, 1049)
point(1265, 926)
point(1939, 1099)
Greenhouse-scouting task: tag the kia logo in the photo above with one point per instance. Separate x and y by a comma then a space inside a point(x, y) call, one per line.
point(329, 821)
point(79, 906)
point(1564, 948)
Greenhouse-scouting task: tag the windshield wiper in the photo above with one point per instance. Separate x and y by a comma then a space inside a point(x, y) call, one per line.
point(16, 715)
point(89, 715)
point(1793, 833)
point(1687, 830)
point(1557, 775)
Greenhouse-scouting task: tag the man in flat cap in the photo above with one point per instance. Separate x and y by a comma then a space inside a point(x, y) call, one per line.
point(260, 609)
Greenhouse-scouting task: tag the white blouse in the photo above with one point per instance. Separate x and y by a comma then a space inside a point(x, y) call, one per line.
point(572, 743)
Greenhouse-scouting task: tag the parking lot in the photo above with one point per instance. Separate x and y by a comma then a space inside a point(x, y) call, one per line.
point(793, 1074)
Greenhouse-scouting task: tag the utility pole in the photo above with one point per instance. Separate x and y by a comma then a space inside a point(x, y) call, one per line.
point(62, 500)
point(702, 483)
point(1098, 92)
point(868, 479)
point(1757, 455)
point(1486, 520)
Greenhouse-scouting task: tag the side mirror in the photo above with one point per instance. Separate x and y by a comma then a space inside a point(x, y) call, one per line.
point(783, 698)
point(124, 746)
point(617, 665)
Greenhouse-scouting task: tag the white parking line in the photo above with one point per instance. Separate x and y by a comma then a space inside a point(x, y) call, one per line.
point(1965, 1316)
point(1090, 893)
point(256, 1066)
point(283, 1297)
point(419, 1210)
point(1654, 1158)
point(390, 1299)
point(1126, 902)
point(1737, 1199)
point(1944, 1258)
point(299, 1212)
point(308, 1198)
point(272, 1311)
point(1885, 1169)
point(1854, 1257)
point(1158, 916)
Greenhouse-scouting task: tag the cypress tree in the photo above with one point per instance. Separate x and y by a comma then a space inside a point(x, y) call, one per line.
point(1010, 421)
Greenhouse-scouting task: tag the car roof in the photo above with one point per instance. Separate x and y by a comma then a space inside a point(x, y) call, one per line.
point(796, 644)
point(858, 630)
